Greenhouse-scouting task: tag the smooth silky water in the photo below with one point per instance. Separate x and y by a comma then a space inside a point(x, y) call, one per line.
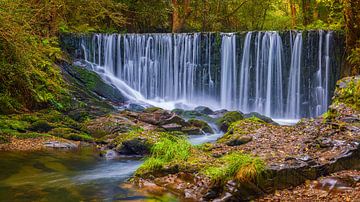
point(56, 175)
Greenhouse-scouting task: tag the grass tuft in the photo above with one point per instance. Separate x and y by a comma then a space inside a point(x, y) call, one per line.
point(238, 166)
point(168, 149)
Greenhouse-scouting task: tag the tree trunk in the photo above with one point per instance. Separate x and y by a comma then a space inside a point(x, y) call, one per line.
point(352, 29)
point(179, 15)
point(293, 13)
point(306, 10)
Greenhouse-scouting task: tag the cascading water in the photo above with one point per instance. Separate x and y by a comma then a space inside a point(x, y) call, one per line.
point(265, 72)
point(293, 93)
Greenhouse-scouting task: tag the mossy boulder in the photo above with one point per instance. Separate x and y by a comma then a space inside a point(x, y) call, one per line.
point(134, 142)
point(152, 109)
point(262, 117)
point(204, 110)
point(229, 117)
point(202, 125)
point(93, 82)
point(192, 114)
point(136, 146)
point(240, 132)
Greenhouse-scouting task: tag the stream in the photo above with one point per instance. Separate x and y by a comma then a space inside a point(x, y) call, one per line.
point(70, 175)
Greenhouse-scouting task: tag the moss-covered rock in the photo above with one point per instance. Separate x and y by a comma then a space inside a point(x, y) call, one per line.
point(95, 83)
point(229, 117)
point(239, 132)
point(202, 125)
point(192, 114)
point(152, 109)
point(260, 116)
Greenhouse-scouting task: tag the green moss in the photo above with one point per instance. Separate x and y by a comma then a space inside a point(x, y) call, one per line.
point(40, 126)
point(152, 109)
point(31, 135)
point(228, 118)
point(9, 123)
point(237, 166)
point(89, 78)
point(201, 124)
point(78, 137)
point(240, 128)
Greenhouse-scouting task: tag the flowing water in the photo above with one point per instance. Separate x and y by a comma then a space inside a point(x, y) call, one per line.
point(79, 175)
point(281, 75)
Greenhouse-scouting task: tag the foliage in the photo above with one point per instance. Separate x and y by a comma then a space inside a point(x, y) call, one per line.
point(238, 166)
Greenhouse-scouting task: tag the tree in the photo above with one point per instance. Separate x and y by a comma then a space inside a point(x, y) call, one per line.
point(352, 19)
point(181, 11)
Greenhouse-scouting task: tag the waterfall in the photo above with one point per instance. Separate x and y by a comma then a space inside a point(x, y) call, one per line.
point(264, 72)
point(293, 93)
point(245, 74)
point(228, 71)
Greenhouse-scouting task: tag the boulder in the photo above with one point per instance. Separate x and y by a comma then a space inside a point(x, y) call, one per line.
point(229, 117)
point(201, 125)
point(239, 140)
point(93, 82)
point(136, 146)
point(192, 130)
point(172, 127)
point(204, 110)
point(135, 107)
point(259, 116)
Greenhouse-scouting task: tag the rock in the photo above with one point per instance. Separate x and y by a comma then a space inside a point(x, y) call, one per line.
point(109, 154)
point(192, 130)
point(219, 113)
point(262, 117)
point(152, 109)
point(229, 117)
point(175, 119)
point(110, 124)
point(325, 142)
point(136, 146)
point(239, 141)
point(204, 110)
point(172, 127)
point(93, 82)
point(202, 125)
point(135, 107)
point(60, 145)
